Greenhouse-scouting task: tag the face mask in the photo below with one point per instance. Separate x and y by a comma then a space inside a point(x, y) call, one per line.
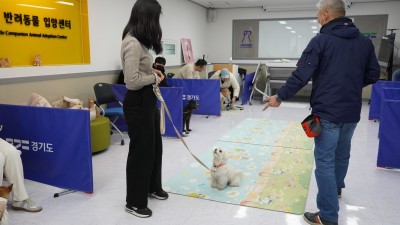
point(160, 68)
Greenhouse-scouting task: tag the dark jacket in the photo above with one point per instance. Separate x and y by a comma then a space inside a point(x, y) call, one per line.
point(340, 61)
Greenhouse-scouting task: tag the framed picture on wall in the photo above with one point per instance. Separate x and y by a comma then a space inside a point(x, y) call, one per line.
point(187, 50)
point(169, 48)
point(170, 52)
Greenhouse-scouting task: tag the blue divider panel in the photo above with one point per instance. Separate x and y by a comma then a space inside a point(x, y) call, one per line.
point(388, 94)
point(173, 99)
point(205, 91)
point(55, 144)
point(376, 96)
point(389, 141)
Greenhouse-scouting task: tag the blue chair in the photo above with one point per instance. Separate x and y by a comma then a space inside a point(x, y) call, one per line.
point(105, 95)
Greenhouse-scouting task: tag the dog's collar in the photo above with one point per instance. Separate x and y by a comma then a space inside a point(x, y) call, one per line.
point(218, 166)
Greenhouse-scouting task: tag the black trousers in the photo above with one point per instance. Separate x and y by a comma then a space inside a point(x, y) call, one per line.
point(143, 166)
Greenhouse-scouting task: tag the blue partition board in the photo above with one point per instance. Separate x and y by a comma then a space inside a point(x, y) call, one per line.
point(55, 144)
point(205, 91)
point(173, 99)
point(376, 96)
point(389, 129)
point(247, 87)
point(388, 94)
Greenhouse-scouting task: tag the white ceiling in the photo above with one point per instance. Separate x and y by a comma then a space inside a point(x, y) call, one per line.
point(223, 4)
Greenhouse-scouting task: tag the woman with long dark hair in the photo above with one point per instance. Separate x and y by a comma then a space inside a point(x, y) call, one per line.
point(143, 167)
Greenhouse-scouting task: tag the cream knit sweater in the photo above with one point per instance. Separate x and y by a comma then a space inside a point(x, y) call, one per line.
point(136, 64)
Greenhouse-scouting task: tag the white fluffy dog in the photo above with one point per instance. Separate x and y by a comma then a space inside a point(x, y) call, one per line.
point(223, 174)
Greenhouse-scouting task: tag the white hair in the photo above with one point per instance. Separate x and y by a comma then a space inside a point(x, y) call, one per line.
point(335, 6)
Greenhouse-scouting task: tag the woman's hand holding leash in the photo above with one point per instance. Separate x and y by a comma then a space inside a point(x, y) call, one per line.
point(159, 74)
point(271, 102)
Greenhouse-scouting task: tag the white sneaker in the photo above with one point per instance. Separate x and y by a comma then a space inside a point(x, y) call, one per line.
point(26, 205)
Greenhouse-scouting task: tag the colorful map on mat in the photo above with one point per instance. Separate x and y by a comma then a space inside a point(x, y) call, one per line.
point(275, 177)
point(280, 133)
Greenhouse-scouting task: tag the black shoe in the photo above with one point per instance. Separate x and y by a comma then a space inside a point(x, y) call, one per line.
point(339, 192)
point(314, 219)
point(161, 195)
point(142, 213)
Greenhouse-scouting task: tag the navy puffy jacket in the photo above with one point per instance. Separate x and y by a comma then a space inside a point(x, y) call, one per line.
point(340, 61)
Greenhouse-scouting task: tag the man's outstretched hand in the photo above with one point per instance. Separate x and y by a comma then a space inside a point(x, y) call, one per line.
point(271, 102)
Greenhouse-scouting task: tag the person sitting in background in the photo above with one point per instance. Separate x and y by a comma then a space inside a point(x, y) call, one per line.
point(191, 71)
point(227, 80)
point(396, 75)
point(11, 167)
point(159, 64)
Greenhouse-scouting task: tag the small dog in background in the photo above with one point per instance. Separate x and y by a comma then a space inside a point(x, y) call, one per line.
point(4, 193)
point(226, 101)
point(187, 114)
point(68, 103)
point(223, 174)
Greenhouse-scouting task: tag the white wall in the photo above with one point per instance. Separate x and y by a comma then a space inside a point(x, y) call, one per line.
point(180, 19)
point(184, 19)
point(219, 46)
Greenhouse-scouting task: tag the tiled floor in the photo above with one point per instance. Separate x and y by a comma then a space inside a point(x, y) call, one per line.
point(372, 196)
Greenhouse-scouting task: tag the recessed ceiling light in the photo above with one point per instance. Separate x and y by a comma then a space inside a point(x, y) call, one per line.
point(282, 22)
point(65, 3)
point(314, 27)
point(314, 31)
point(289, 28)
point(292, 31)
point(36, 6)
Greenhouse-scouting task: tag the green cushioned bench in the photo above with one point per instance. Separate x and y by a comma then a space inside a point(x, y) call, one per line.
point(100, 134)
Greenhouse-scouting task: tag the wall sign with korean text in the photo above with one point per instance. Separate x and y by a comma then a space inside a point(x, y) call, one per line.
point(57, 31)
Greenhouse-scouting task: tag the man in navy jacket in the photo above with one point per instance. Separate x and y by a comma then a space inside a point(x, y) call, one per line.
point(340, 61)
